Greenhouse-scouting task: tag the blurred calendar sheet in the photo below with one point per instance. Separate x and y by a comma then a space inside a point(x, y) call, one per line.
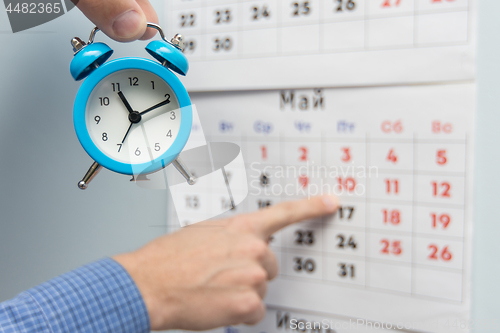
point(371, 100)
point(236, 45)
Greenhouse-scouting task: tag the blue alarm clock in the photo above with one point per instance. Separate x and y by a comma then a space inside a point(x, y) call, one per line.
point(131, 115)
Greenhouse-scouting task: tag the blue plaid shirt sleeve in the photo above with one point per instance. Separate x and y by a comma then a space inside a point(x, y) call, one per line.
point(99, 297)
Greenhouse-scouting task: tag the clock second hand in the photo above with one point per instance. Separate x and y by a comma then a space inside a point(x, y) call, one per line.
point(127, 132)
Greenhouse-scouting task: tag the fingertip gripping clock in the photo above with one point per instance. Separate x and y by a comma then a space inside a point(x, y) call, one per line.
point(131, 115)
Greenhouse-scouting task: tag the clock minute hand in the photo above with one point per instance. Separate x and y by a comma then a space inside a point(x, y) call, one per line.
point(124, 100)
point(156, 106)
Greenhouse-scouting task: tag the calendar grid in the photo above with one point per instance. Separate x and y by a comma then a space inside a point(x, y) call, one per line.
point(230, 30)
point(404, 239)
point(289, 252)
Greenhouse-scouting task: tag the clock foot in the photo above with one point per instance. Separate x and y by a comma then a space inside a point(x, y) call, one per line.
point(91, 173)
point(226, 180)
point(182, 168)
point(139, 178)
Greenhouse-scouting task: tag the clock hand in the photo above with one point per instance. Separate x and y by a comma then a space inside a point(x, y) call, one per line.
point(127, 132)
point(157, 105)
point(124, 100)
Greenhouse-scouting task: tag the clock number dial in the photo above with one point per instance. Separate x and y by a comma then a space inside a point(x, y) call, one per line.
point(137, 118)
point(104, 101)
point(116, 86)
point(134, 81)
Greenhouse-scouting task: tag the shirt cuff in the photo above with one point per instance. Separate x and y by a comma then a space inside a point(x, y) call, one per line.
point(99, 297)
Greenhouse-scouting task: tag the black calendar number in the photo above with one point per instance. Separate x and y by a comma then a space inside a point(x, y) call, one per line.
point(346, 270)
point(260, 13)
point(304, 237)
point(345, 5)
point(222, 16)
point(188, 19)
point(345, 212)
point(301, 8)
point(192, 202)
point(264, 203)
point(264, 179)
point(222, 44)
point(189, 46)
point(304, 265)
point(346, 242)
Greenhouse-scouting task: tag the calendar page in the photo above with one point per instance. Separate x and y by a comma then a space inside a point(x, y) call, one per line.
point(397, 254)
point(276, 44)
point(370, 100)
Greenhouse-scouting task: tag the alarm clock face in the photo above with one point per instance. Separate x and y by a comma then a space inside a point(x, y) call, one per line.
point(133, 116)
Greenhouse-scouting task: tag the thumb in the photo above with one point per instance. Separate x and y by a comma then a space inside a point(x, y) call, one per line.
point(121, 20)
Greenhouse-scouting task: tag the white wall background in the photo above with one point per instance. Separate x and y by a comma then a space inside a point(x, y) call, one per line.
point(48, 226)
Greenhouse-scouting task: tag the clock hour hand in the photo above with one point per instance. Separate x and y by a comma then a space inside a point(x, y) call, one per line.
point(165, 102)
point(124, 100)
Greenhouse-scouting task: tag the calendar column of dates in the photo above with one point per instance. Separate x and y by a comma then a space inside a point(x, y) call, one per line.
point(344, 235)
point(302, 242)
point(416, 210)
point(438, 233)
point(390, 207)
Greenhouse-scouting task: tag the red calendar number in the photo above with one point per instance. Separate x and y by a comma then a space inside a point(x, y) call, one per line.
point(392, 157)
point(439, 127)
point(392, 216)
point(441, 157)
point(346, 157)
point(303, 181)
point(389, 3)
point(444, 254)
point(441, 190)
point(303, 153)
point(443, 220)
point(263, 149)
point(389, 247)
point(347, 184)
point(388, 126)
point(392, 186)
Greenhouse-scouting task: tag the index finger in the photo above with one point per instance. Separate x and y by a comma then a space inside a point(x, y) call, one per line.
point(269, 220)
